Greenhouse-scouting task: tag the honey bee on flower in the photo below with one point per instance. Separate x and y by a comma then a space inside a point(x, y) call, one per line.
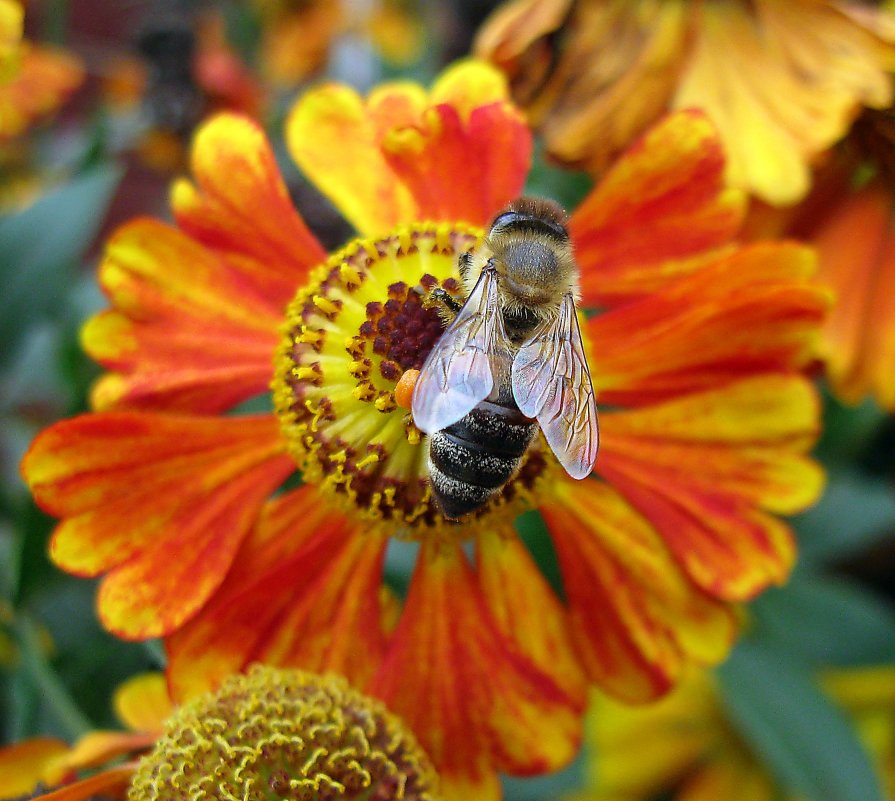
point(512, 353)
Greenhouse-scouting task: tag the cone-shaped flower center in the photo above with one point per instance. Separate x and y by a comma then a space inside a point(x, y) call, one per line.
point(284, 734)
point(350, 335)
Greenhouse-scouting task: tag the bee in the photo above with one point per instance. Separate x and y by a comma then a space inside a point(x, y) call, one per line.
point(511, 360)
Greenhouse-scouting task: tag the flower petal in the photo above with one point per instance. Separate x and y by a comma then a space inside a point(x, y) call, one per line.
point(22, 765)
point(240, 206)
point(142, 703)
point(187, 332)
point(97, 748)
point(304, 591)
point(138, 489)
point(659, 213)
point(468, 154)
point(698, 467)
point(750, 312)
point(480, 705)
point(45, 78)
point(812, 66)
point(652, 620)
point(526, 610)
point(459, 153)
point(354, 175)
point(856, 247)
point(110, 782)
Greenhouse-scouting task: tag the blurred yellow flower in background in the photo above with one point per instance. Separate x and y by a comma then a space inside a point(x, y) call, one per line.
point(685, 747)
point(782, 79)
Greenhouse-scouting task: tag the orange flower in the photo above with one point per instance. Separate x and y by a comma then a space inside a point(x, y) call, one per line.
point(782, 79)
point(695, 357)
point(42, 81)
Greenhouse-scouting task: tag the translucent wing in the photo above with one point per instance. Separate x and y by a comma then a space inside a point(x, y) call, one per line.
point(458, 374)
point(551, 382)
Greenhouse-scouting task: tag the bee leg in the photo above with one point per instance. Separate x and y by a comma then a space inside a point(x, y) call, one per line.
point(448, 306)
point(464, 264)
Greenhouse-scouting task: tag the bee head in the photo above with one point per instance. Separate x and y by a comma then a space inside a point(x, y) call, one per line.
point(533, 254)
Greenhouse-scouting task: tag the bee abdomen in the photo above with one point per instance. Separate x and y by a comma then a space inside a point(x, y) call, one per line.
point(472, 459)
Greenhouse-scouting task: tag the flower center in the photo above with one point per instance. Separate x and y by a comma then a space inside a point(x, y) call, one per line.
point(284, 734)
point(350, 335)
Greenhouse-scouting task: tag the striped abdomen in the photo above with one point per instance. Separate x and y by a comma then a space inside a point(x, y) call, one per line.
point(472, 459)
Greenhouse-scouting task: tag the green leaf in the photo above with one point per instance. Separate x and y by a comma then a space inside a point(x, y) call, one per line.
point(794, 729)
point(856, 510)
point(40, 247)
point(825, 621)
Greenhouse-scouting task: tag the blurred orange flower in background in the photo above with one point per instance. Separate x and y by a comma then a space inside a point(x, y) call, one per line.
point(782, 79)
point(695, 352)
point(35, 80)
point(141, 703)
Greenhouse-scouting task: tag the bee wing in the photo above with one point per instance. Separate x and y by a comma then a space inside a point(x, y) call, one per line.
point(551, 382)
point(458, 373)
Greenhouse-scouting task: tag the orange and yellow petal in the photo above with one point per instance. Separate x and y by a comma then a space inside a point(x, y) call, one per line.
point(701, 467)
point(304, 591)
point(480, 705)
point(659, 213)
point(108, 783)
point(526, 610)
point(652, 621)
point(187, 331)
point(754, 310)
point(856, 250)
point(238, 204)
point(812, 66)
point(162, 502)
point(460, 152)
point(95, 749)
point(355, 175)
point(23, 765)
point(143, 703)
point(43, 81)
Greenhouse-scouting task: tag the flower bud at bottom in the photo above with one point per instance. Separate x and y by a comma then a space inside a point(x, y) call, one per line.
point(284, 734)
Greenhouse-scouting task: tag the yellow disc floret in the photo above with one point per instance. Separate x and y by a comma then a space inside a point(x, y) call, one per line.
point(363, 321)
point(284, 734)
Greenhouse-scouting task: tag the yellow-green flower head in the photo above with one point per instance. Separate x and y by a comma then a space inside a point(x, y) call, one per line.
point(284, 734)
